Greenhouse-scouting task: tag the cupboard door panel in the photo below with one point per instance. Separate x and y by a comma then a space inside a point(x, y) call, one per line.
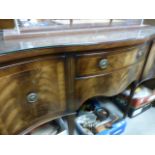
point(29, 91)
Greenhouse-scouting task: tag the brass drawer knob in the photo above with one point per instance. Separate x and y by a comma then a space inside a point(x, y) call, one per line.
point(103, 64)
point(32, 97)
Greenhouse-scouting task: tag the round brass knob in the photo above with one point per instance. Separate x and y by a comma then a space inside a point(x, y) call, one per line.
point(103, 64)
point(32, 97)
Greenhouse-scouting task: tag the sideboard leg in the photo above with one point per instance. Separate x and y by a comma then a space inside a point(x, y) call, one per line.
point(71, 124)
point(133, 88)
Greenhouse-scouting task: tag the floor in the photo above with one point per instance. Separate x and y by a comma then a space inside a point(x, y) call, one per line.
point(143, 124)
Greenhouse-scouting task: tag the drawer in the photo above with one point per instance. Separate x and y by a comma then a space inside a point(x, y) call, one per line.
point(106, 85)
point(104, 62)
point(30, 91)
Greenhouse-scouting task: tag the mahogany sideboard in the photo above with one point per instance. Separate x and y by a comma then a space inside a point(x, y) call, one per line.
point(46, 77)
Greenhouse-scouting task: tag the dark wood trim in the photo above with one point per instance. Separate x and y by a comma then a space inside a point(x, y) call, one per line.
point(133, 88)
point(70, 95)
point(71, 123)
point(70, 83)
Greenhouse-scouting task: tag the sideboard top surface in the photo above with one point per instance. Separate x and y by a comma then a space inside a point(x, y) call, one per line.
point(87, 39)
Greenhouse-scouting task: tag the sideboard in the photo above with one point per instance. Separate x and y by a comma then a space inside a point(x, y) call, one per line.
point(51, 76)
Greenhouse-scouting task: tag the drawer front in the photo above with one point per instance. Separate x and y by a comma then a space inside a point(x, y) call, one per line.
point(30, 91)
point(149, 71)
point(102, 63)
point(107, 85)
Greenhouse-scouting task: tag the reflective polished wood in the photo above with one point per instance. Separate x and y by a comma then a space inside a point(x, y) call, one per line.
point(107, 85)
point(7, 24)
point(41, 84)
point(89, 64)
point(149, 71)
point(43, 78)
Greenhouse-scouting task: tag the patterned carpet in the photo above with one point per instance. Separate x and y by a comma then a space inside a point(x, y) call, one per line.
point(144, 124)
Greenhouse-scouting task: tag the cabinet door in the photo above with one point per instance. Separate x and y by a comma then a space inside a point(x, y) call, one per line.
point(149, 71)
point(30, 91)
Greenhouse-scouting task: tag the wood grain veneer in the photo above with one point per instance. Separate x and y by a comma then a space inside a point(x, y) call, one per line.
point(107, 85)
point(63, 71)
point(88, 64)
point(44, 77)
point(149, 71)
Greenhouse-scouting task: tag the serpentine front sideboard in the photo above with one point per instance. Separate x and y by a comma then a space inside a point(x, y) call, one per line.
point(46, 77)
